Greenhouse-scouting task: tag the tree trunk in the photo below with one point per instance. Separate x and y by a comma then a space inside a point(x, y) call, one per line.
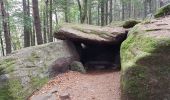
point(5, 26)
point(111, 13)
point(47, 18)
point(44, 26)
point(2, 45)
point(123, 10)
point(106, 12)
point(66, 11)
point(37, 22)
point(90, 15)
point(98, 14)
point(102, 13)
point(51, 26)
point(26, 27)
point(29, 20)
point(84, 16)
point(80, 10)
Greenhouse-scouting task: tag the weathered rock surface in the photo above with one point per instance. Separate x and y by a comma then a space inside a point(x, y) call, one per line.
point(146, 61)
point(91, 34)
point(26, 70)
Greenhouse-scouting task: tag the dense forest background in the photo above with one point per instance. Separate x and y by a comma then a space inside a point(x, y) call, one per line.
point(25, 23)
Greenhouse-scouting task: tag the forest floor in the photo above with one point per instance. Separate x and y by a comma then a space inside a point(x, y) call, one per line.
point(94, 85)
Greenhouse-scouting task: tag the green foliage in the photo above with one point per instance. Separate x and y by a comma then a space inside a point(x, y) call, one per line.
point(163, 11)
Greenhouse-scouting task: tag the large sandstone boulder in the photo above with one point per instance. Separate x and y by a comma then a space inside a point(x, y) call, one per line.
point(91, 34)
point(146, 61)
point(28, 69)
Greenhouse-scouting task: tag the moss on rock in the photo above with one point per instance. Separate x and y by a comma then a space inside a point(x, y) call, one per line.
point(163, 11)
point(26, 70)
point(145, 65)
point(130, 23)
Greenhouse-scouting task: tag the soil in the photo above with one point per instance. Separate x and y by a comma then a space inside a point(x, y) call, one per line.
point(94, 85)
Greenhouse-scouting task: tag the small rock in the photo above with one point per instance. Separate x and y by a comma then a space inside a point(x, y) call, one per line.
point(64, 96)
point(77, 66)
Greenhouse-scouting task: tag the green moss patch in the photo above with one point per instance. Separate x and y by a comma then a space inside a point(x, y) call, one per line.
point(13, 90)
point(7, 65)
point(163, 11)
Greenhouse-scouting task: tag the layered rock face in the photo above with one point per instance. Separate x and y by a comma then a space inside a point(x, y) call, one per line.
point(97, 46)
point(91, 34)
point(145, 57)
point(26, 70)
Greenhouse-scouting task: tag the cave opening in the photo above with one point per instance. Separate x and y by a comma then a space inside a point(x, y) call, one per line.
point(99, 56)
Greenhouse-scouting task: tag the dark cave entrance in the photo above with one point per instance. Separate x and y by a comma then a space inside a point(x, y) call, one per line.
point(99, 56)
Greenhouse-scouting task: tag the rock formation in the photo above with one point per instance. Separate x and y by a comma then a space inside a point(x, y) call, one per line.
point(145, 57)
point(26, 70)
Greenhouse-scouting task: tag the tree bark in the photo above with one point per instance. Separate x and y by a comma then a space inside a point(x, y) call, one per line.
point(102, 13)
point(37, 22)
point(84, 16)
point(106, 12)
point(2, 45)
point(51, 25)
point(80, 9)
point(26, 26)
point(44, 26)
point(90, 15)
point(111, 13)
point(5, 27)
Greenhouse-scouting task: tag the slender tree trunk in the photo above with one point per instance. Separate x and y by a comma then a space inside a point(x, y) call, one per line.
point(2, 45)
point(56, 18)
point(80, 10)
point(66, 11)
point(123, 10)
point(26, 27)
point(29, 21)
point(145, 8)
point(102, 13)
point(129, 9)
point(98, 14)
point(5, 26)
point(90, 15)
point(106, 12)
point(51, 25)
point(37, 22)
point(47, 19)
point(44, 26)
point(84, 16)
point(111, 12)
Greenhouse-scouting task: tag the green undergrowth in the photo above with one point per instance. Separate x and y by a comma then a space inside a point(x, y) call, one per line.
point(145, 67)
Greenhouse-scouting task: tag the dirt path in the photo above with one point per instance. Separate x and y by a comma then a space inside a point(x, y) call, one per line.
point(98, 85)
